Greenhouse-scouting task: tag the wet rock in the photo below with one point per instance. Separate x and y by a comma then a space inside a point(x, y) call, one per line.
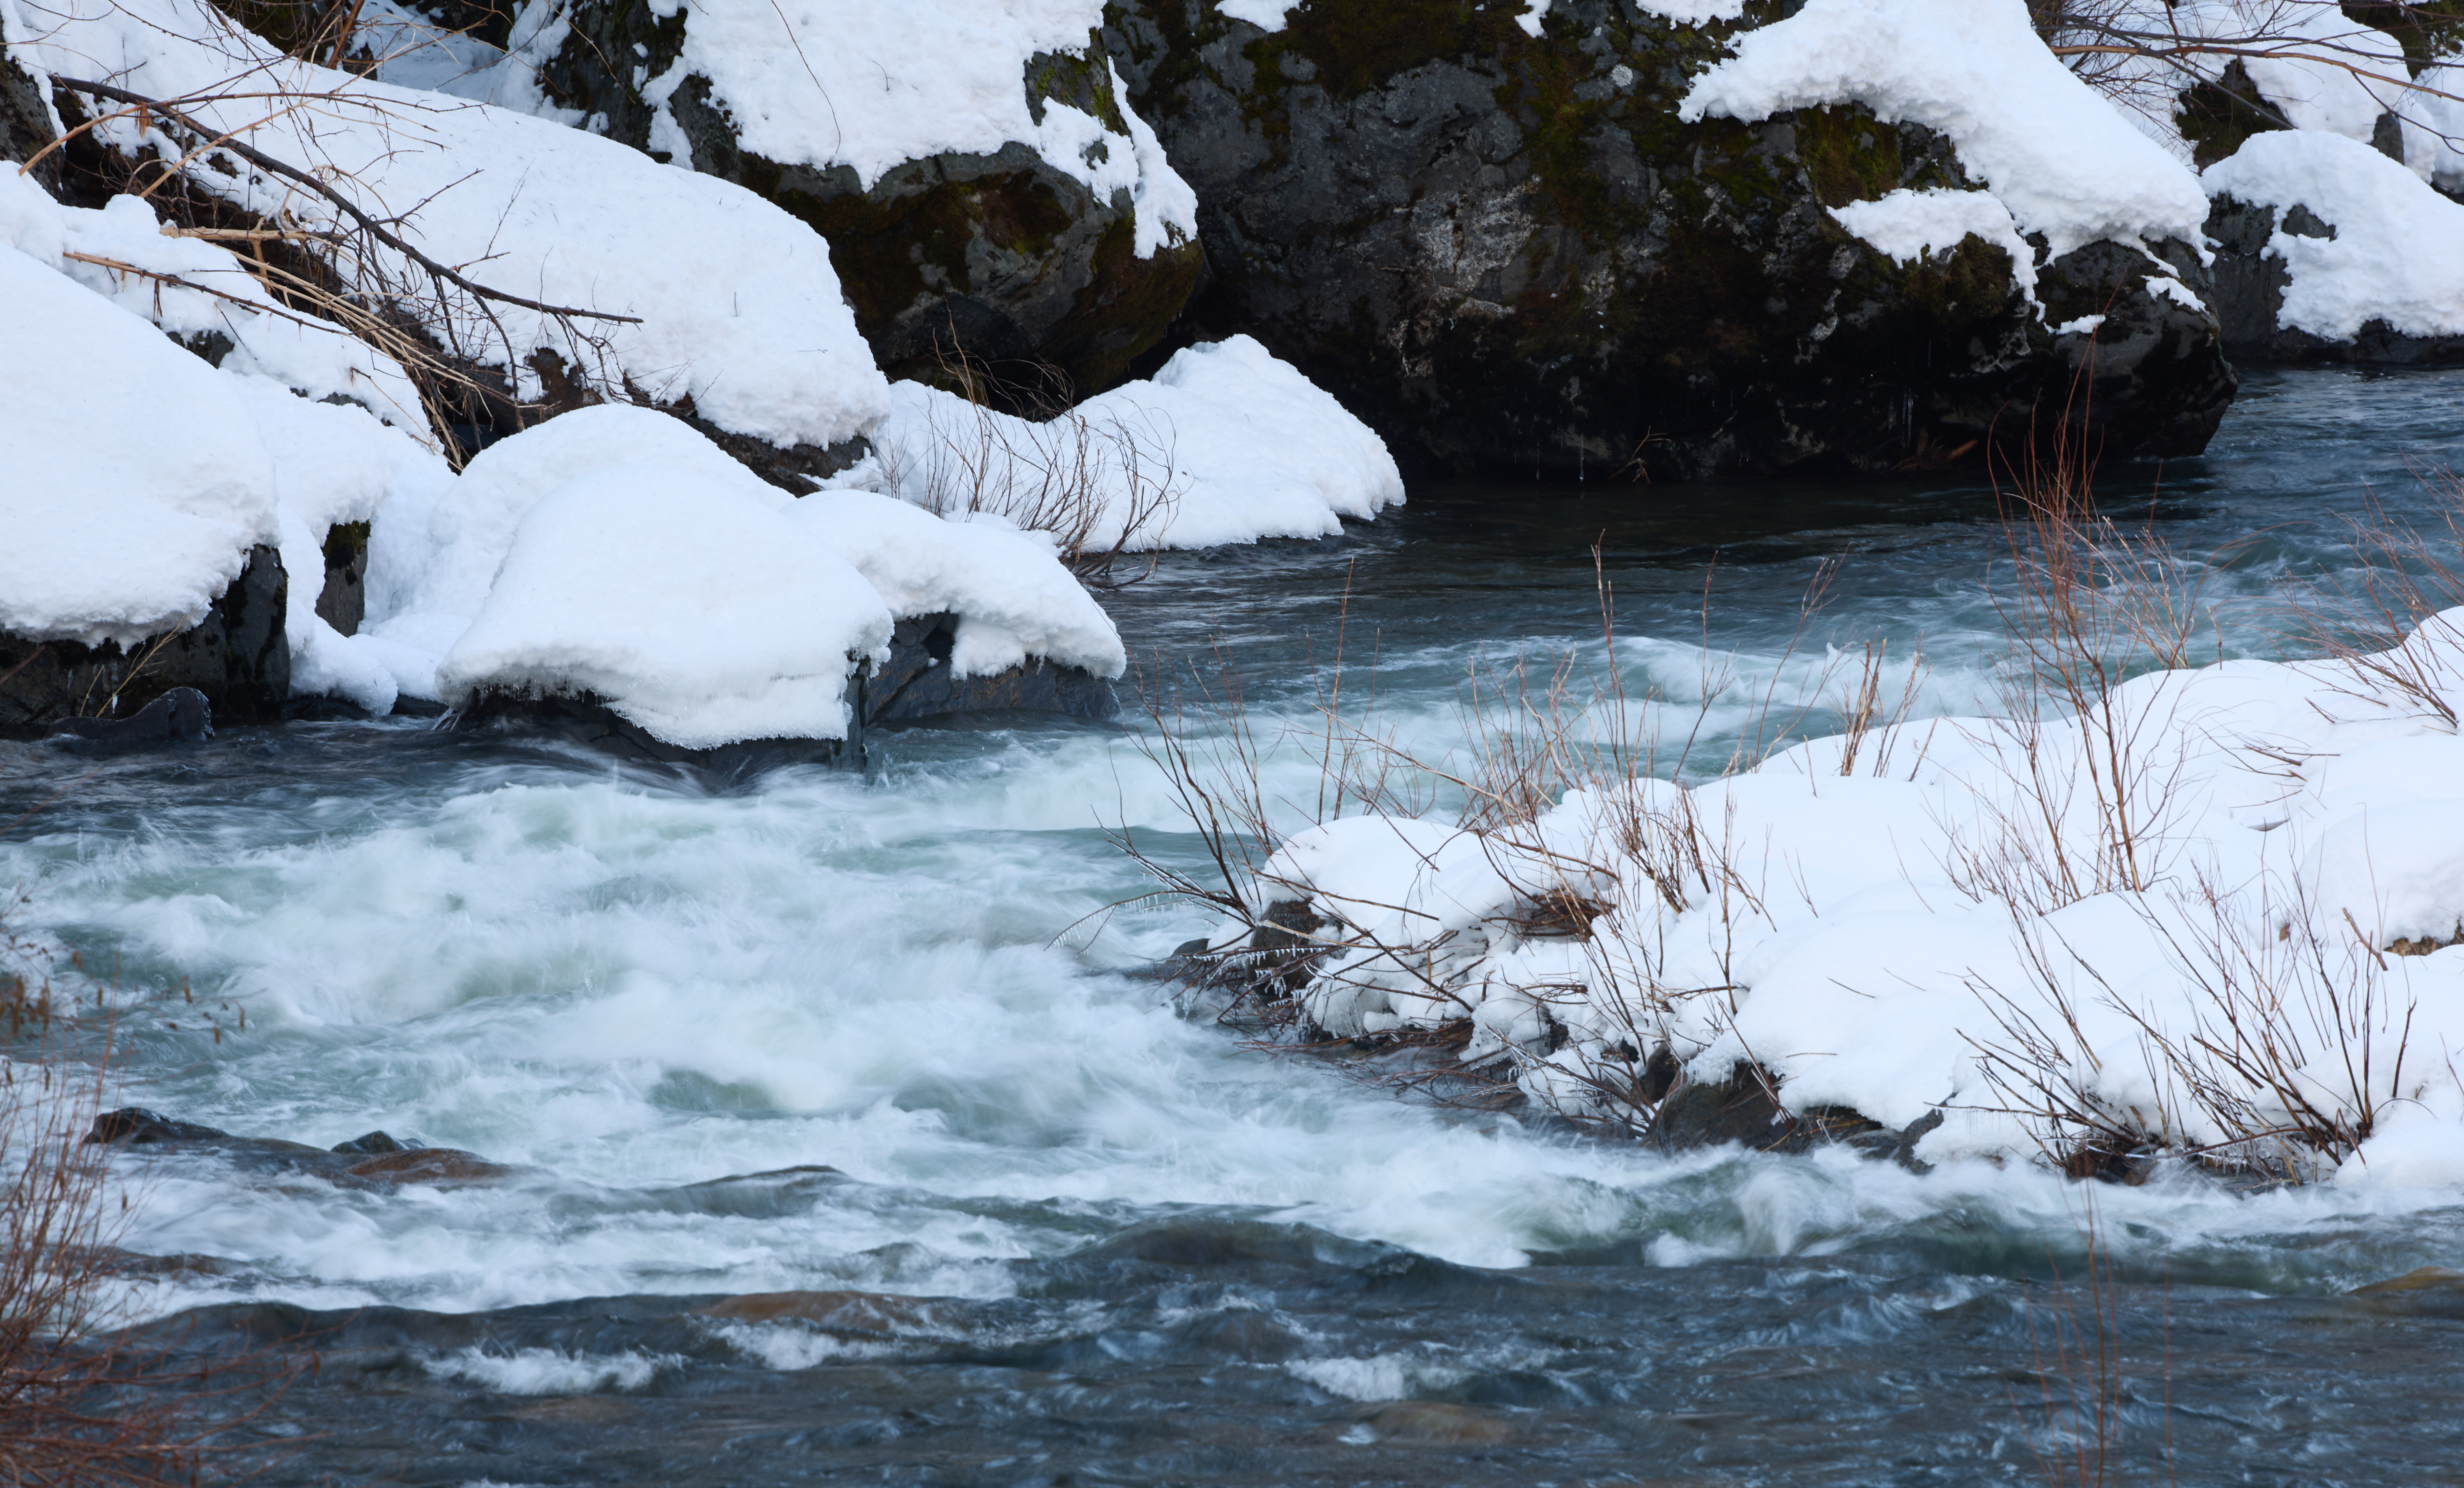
point(237, 658)
point(916, 682)
point(587, 720)
point(180, 716)
point(1001, 255)
point(1743, 1108)
point(349, 1164)
point(374, 1142)
point(2248, 297)
point(1506, 254)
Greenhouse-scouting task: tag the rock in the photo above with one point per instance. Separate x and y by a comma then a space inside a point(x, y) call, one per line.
point(1742, 1109)
point(1506, 255)
point(237, 658)
point(356, 1162)
point(343, 603)
point(1002, 254)
point(373, 1143)
point(180, 716)
point(916, 682)
point(2427, 1291)
point(587, 720)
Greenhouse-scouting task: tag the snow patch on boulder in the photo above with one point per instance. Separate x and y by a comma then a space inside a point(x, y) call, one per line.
point(2398, 253)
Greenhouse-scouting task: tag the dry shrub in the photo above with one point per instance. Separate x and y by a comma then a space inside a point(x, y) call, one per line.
point(1104, 487)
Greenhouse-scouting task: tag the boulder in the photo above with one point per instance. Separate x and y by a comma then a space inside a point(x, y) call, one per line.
point(1508, 254)
point(237, 658)
point(997, 253)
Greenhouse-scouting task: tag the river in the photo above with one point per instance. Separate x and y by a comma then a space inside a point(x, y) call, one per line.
point(877, 1034)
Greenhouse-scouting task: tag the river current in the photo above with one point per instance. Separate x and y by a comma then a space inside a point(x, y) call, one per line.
point(877, 1038)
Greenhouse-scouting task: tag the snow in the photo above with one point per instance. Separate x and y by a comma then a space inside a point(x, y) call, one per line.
point(616, 551)
point(115, 538)
point(740, 310)
point(856, 83)
point(2398, 253)
point(1246, 446)
point(1848, 934)
point(2059, 157)
point(1908, 225)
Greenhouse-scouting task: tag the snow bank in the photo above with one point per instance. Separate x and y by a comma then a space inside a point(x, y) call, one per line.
point(1246, 446)
point(739, 308)
point(618, 551)
point(857, 84)
point(2059, 157)
point(1867, 928)
point(2398, 253)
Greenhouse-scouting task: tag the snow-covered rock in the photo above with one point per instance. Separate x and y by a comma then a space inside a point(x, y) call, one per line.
point(1917, 942)
point(974, 164)
point(1596, 241)
point(2329, 249)
point(737, 315)
point(615, 554)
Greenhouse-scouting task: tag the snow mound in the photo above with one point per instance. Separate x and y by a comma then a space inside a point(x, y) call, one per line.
point(690, 606)
point(1240, 445)
point(616, 551)
point(1871, 921)
point(2398, 253)
point(739, 307)
point(118, 533)
point(2059, 157)
point(857, 84)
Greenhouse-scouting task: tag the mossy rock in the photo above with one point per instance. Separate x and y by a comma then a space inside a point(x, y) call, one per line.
point(1000, 257)
point(1508, 255)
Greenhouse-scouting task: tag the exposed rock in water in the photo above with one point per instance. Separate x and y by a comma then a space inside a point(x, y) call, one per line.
point(916, 682)
point(373, 1159)
point(237, 658)
point(587, 720)
point(1506, 253)
point(1001, 255)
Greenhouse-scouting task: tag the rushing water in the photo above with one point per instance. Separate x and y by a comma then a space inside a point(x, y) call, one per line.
point(1074, 1236)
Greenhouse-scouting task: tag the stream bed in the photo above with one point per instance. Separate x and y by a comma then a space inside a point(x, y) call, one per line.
point(849, 1144)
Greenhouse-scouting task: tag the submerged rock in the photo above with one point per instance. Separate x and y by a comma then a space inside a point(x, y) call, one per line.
point(180, 716)
point(235, 660)
point(1505, 252)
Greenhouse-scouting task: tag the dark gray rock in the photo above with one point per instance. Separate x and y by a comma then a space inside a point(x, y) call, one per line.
point(237, 657)
point(916, 682)
point(1015, 263)
point(343, 603)
point(587, 720)
point(180, 716)
point(2248, 297)
point(1507, 254)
